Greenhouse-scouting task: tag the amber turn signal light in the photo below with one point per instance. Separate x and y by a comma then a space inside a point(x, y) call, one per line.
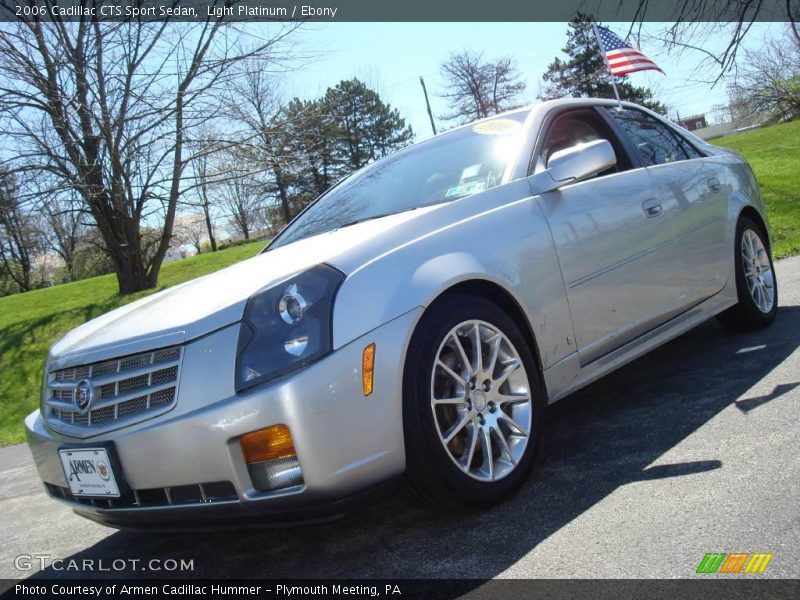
point(269, 443)
point(368, 369)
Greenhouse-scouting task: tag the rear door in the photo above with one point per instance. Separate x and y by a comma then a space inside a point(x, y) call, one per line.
point(697, 186)
point(614, 240)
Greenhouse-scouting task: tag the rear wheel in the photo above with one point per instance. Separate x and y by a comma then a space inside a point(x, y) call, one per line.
point(756, 285)
point(472, 405)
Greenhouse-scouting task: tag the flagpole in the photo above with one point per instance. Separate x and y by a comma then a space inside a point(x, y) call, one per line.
point(605, 61)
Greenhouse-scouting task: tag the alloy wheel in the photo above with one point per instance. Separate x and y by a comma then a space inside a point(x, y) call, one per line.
point(757, 271)
point(481, 400)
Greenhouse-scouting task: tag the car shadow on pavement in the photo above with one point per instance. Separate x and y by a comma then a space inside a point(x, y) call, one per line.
point(603, 437)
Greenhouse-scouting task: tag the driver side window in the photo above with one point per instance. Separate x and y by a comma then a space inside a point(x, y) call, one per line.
point(579, 127)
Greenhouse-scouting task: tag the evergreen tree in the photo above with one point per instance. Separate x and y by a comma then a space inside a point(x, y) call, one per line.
point(366, 127)
point(584, 73)
point(313, 145)
point(317, 142)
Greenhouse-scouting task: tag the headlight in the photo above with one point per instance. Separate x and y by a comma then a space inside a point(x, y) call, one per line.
point(286, 326)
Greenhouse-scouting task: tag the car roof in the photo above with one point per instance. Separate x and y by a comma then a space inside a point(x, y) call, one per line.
point(539, 107)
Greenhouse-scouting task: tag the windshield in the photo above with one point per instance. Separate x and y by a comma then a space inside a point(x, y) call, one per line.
point(461, 163)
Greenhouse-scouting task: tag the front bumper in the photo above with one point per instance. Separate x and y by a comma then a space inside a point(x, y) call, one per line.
point(347, 445)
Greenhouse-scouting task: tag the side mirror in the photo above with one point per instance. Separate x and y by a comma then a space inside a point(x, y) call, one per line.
point(573, 164)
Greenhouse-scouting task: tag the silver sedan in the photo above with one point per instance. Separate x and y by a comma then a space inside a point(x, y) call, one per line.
point(409, 327)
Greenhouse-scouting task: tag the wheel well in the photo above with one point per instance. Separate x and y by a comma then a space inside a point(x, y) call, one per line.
point(749, 211)
point(498, 295)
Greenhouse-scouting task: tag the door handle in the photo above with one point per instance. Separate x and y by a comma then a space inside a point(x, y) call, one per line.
point(651, 208)
point(713, 184)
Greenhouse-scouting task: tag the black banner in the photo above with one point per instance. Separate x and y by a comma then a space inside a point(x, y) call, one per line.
point(399, 10)
point(737, 587)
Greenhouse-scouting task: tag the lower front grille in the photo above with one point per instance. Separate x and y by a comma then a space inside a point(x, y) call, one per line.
point(200, 493)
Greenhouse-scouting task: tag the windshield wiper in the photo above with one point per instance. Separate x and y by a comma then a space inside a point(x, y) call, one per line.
point(380, 216)
point(357, 221)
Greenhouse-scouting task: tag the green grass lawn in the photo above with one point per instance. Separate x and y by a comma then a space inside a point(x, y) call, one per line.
point(774, 154)
point(31, 322)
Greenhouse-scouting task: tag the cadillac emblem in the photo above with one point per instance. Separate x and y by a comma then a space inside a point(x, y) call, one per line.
point(102, 470)
point(83, 395)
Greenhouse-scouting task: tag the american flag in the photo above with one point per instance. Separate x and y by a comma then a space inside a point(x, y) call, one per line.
point(622, 58)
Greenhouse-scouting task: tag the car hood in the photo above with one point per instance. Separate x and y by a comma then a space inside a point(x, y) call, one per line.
point(203, 305)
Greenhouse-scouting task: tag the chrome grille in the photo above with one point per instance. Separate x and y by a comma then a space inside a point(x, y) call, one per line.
point(125, 390)
point(74, 374)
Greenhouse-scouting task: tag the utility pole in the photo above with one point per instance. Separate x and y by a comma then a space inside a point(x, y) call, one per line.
point(428, 104)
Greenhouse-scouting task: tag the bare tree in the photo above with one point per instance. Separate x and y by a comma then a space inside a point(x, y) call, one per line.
point(477, 88)
point(91, 258)
point(106, 108)
point(767, 87)
point(65, 220)
point(240, 196)
point(18, 236)
point(266, 130)
point(189, 230)
point(202, 175)
point(691, 22)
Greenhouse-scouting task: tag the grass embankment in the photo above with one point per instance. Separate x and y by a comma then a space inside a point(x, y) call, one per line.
point(774, 154)
point(31, 322)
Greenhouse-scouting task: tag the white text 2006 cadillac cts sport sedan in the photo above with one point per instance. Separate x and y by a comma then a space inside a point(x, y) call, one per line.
point(409, 326)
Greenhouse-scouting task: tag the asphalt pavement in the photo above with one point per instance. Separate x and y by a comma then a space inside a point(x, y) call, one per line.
point(691, 449)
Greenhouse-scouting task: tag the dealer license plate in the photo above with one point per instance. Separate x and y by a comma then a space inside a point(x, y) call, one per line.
point(89, 473)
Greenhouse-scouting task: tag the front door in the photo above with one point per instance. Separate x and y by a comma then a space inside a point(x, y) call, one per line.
point(614, 241)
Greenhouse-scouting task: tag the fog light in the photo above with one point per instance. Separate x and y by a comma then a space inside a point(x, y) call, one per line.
point(276, 474)
point(271, 458)
point(368, 369)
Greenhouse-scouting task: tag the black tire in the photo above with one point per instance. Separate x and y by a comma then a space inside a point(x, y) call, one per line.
point(745, 315)
point(432, 478)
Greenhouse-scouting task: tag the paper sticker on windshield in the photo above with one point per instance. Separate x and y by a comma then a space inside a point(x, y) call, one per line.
point(498, 127)
point(465, 189)
point(470, 172)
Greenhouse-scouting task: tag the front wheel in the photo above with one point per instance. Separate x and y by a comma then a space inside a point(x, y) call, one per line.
point(472, 405)
point(756, 284)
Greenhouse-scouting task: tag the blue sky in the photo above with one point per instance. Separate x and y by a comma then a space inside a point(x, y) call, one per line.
point(392, 56)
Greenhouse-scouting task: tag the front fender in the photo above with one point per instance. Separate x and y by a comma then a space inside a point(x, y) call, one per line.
point(369, 299)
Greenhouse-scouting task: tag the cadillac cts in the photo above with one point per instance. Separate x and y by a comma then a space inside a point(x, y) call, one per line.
point(409, 326)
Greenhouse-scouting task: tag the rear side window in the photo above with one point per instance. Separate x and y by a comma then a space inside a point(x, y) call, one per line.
point(656, 142)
